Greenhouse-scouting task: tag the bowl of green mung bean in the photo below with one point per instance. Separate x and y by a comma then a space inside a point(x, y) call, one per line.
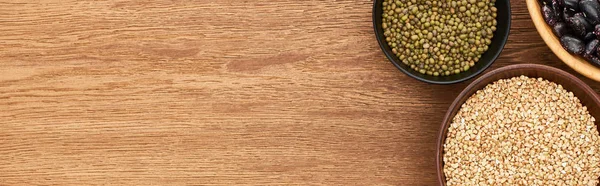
point(442, 42)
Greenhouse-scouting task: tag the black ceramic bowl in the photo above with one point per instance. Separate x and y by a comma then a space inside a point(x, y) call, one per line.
point(500, 37)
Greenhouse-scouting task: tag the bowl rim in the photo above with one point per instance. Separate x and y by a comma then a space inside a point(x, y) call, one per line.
point(576, 63)
point(390, 56)
point(456, 104)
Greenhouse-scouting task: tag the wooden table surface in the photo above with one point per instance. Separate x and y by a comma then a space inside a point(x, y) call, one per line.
point(179, 92)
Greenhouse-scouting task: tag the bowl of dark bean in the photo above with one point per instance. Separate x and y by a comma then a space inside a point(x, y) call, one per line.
point(571, 29)
point(442, 42)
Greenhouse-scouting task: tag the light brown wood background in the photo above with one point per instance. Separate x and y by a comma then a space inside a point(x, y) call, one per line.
point(205, 92)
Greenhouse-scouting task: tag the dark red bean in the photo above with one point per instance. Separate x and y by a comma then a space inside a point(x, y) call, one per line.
point(597, 31)
point(567, 13)
point(579, 25)
point(589, 36)
point(561, 29)
point(549, 15)
point(572, 44)
point(594, 60)
point(597, 51)
point(572, 4)
point(557, 8)
point(591, 47)
point(591, 10)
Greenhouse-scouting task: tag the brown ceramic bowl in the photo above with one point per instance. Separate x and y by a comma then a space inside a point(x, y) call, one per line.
point(571, 83)
point(577, 63)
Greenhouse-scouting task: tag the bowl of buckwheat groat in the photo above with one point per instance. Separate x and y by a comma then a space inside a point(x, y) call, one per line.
point(522, 124)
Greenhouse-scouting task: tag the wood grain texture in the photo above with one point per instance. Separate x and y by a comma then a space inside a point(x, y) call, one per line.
point(198, 92)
